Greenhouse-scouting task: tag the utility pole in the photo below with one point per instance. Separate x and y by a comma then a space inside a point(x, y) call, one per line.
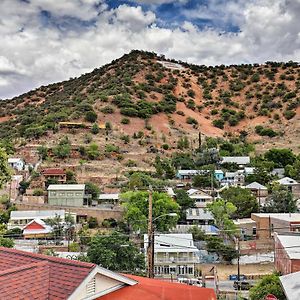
point(238, 263)
point(200, 140)
point(150, 249)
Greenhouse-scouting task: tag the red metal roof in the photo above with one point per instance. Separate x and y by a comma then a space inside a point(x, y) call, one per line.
point(25, 275)
point(153, 289)
point(53, 171)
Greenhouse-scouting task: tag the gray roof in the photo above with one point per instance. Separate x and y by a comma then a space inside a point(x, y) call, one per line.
point(191, 172)
point(109, 197)
point(256, 186)
point(66, 187)
point(287, 181)
point(34, 214)
point(240, 160)
point(198, 214)
point(290, 243)
point(291, 285)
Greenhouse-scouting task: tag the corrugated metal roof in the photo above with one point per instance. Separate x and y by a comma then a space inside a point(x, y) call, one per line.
point(256, 185)
point(198, 214)
point(66, 187)
point(109, 197)
point(33, 214)
point(291, 285)
point(240, 160)
point(290, 243)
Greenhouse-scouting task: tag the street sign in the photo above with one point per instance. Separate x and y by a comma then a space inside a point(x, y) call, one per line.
point(270, 297)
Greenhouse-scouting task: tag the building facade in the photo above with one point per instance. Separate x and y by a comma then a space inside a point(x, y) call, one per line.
point(66, 194)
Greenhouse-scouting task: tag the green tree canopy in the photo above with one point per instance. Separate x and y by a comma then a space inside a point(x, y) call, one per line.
point(92, 189)
point(116, 253)
point(280, 157)
point(281, 200)
point(269, 284)
point(136, 210)
point(222, 212)
point(243, 199)
point(185, 202)
point(6, 242)
point(203, 181)
point(4, 168)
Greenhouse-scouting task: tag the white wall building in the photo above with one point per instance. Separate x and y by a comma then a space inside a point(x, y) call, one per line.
point(16, 163)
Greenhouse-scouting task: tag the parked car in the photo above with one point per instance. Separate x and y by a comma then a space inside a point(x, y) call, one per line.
point(242, 285)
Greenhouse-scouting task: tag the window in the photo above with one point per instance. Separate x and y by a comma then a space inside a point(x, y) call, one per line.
point(78, 194)
point(53, 193)
point(61, 194)
point(254, 230)
point(70, 194)
point(190, 270)
point(166, 269)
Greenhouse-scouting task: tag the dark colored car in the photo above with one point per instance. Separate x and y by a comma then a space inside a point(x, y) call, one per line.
point(242, 285)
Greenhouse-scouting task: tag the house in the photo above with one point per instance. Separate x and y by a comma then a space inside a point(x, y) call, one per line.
point(290, 285)
point(36, 229)
point(291, 184)
point(267, 223)
point(287, 254)
point(54, 175)
point(201, 198)
point(174, 254)
point(241, 161)
point(189, 174)
point(109, 198)
point(199, 216)
point(234, 178)
point(153, 289)
point(21, 218)
point(16, 163)
point(258, 190)
point(278, 172)
point(25, 275)
point(219, 175)
point(249, 171)
point(66, 194)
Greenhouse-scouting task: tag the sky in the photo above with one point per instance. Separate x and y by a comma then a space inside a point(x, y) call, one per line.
point(46, 41)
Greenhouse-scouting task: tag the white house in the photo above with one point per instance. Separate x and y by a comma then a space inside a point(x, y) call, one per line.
point(20, 218)
point(241, 161)
point(174, 255)
point(199, 216)
point(201, 198)
point(16, 163)
point(234, 178)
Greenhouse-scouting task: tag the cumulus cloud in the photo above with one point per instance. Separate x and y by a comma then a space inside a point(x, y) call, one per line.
point(36, 50)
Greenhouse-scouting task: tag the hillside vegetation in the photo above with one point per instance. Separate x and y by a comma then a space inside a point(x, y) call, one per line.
point(137, 93)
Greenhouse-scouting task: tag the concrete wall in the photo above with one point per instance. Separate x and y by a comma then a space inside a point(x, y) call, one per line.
point(100, 214)
point(66, 197)
point(33, 199)
point(262, 227)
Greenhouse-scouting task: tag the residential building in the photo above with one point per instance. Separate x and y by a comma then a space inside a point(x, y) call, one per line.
point(249, 171)
point(16, 163)
point(54, 175)
point(287, 254)
point(257, 189)
point(25, 275)
point(201, 198)
point(36, 229)
point(66, 194)
point(20, 218)
point(199, 216)
point(190, 174)
point(109, 198)
point(290, 285)
point(278, 172)
point(234, 178)
point(174, 255)
point(241, 161)
point(219, 175)
point(291, 184)
point(267, 223)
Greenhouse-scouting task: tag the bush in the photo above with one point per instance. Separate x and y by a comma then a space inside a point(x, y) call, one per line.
point(38, 192)
point(92, 222)
point(289, 114)
point(191, 120)
point(91, 116)
point(107, 110)
point(125, 121)
point(95, 128)
point(219, 123)
point(265, 131)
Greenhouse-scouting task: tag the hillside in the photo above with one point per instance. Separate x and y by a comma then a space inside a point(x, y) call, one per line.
point(142, 100)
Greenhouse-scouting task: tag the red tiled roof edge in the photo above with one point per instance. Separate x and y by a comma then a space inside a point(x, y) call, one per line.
point(49, 258)
point(24, 267)
point(53, 171)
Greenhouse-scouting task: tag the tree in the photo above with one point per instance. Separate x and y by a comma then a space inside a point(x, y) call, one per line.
point(222, 212)
point(281, 200)
point(185, 202)
point(243, 199)
point(95, 128)
point(164, 168)
point(260, 175)
point(203, 181)
point(293, 170)
point(269, 284)
point(42, 152)
point(93, 151)
point(63, 149)
point(91, 116)
point(4, 168)
point(117, 253)
point(93, 222)
point(136, 210)
point(6, 242)
point(281, 157)
point(92, 189)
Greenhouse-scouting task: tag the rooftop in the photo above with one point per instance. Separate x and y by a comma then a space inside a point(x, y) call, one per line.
point(108, 197)
point(66, 187)
point(154, 289)
point(14, 160)
point(291, 285)
point(33, 214)
point(198, 214)
point(291, 243)
point(287, 181)
point(289, 217)
point(240, 160)
point(256, 185)
point(53, 171)
point(173, 242)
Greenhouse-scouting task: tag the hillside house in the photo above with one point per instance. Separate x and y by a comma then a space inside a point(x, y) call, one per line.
point(234, 178)
point(36, 229)
point(20, 218)
point(190, 174)
point(66, 194)
point(54, 175)
point(247, 227)
point(199, 216)
point(259, 191)
point(291, 184)
point(16, 163)
point(109, 198)
point(241, 161)
point(201, 198)
point(174, 255)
